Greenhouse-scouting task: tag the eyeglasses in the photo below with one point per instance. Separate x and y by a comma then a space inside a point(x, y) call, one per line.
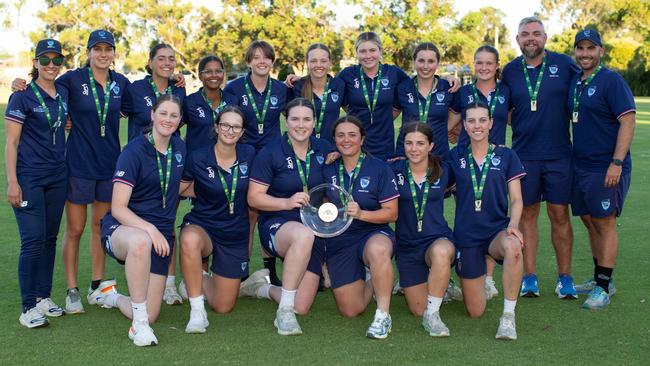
point(224, 127)
point(212, 72)
point(44, 60)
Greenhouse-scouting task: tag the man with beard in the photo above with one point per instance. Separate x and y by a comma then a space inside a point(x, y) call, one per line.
point(539, 83)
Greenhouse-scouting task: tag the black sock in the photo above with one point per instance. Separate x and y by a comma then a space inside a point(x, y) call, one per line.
point(94, 284)
point(70, 289)
point(595, 266)
point(603, 276)
point(244, 278)
point(269, 263)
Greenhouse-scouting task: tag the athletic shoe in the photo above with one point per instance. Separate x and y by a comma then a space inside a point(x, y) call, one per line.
point(142, 335)
point(564, 287)
point(171, 296)
point(256, 280)
point(33, 318)
point(398, 289)
point(47, 307)
point(490, 289)
point(182, 290)
point(598, 299)
point(529, 287)
point(105, 287)
point(586, 287)
point(198, 321)
point(73, 303)
point(434, 325)
point(453, 292)
point(380, 327)
point(286, 322)
point(507, 328)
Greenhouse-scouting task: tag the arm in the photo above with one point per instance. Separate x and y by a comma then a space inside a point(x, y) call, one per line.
point(291, 80)
point(259, 199)
point(516, 208)
point(454, 83)
point(623, 142)
point(396, 113)
point(453, 126)
point(386, 214)
point(187, 189)
point(14, 193)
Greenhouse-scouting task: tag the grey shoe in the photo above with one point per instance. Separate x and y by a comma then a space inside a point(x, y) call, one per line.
point(507, 328)
point(453, 292)
point(490, 289)
point(249, 287)
point(434, 325)
point(380, 326)
point(73, 303)
point(47, 307)
point(286, 322)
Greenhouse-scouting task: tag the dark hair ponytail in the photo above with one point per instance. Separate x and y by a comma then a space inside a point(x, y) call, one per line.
point(308, 88)
point(34, 73)
point(152, 54)
point(434, 162)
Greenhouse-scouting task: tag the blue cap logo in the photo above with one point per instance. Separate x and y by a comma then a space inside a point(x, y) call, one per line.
point(587, 32)
point(102, 34)
point(50, 44)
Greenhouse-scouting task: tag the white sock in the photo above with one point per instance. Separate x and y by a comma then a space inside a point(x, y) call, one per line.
point(509, 306)
point(111, 299)
point(287, 298)
point(368, 274)
point(433, 304)
point(196, 303)
point(171, 281)
point(264, 292)
point(380, 314)
point(140, 312)
point(489, 279)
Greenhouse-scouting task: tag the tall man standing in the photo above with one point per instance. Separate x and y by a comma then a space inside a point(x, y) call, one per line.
point(604, 117)
point(539, 83)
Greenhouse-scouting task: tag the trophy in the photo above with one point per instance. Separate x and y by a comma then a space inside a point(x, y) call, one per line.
point(326, 213)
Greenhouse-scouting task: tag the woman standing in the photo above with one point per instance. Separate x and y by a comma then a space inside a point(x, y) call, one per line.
point(37, 179)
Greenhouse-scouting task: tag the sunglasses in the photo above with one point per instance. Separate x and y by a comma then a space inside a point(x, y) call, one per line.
point(44, 60)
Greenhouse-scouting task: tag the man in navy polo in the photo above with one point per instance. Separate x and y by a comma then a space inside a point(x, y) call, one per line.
point(539, 85)
point(603, 119)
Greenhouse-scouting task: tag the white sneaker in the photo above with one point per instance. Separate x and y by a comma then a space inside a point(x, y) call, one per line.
point(105, 287)
point(73, 303)
point(33, 318)
point(47, 307)
point(182, 290)
point(286, 322)
point(434, 325)
point(397, 289)
point(490, 289)
point(171, 296)
point(256, 280)
point(198, 321)
point(142, 335)
point(507, 328)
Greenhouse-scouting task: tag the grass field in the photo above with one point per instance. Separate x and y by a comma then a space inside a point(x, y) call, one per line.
point(550, 331)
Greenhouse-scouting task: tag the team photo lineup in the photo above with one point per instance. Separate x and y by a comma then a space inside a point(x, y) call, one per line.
point(572, 122)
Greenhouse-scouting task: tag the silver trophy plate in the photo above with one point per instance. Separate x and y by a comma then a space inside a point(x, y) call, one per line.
point(326, 213)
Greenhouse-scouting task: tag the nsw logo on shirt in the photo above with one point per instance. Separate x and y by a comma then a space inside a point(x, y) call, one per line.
point(179, 159)
point(364, 182)
point(440, 97)
point(334, 96)
point(554, 70)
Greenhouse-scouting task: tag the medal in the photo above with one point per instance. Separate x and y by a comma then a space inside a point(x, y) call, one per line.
point(377, 87)
point(260, 129)
point(355, 174)
point(578, 93)
point(419, 226)
point(419, 208)
point(423, 112)
point(53, 126)
point(231, 208)
point(230, 193)
point(321, 113)
point(575, 117)
point(163, 176)
point(102, 130)
point(477, 205)
point(533, 106)
point(303, 175)
point(533, 93)
point(265, 108)
point(479, 186)
point(101, 113)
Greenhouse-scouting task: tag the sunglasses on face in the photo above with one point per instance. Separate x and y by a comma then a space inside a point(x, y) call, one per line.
point(44, 60)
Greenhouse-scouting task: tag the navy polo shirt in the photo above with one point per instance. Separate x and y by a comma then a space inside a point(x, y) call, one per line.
point(544, 134)
point(275, 167)
point(137, 167)
point(138, 101)
point(332, 108)
point(89, 155)
point(434, 224)
point(37, 152)
point(605, 100)
point(199, 119)
point(437, 115)
point(465, 97)
point(473, 228)
point(211, 205)
point(380, 133)
point(235, 94)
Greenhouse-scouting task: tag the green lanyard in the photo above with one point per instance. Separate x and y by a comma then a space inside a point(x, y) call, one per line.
point(355, 174)
point(303, 176)
point(230, 194)
point(576, 95)
point(155, 88)
point(265, 108)
point(531, 93)
point(362, 80)
point(164, 177)
point(54, 126)
point(424, 113)
point(101, 114)
point(215, 112)
point(493, 101)
point(419, 210)
point(479, 186)
point(321, 114)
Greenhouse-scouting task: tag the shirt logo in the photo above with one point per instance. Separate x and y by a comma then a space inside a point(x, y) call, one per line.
point(84, 89)
point(591, 91)
point(39, 109)
point(320, 159)
point(553, 69)
point(116, 90)
point(470, 99)
point(365, 181)
point(243, 168)
point(384, 82)
point(605, 204)
point(335, 97)
point(149, 102)
point(274, 100)
point(334, 180)
point(210, 172)
point(496, 160)
point(289, 163)
point(440, 97)
point(201, 112)
point(501, 99)
point(275, 226)
point(243, 266)
point(244, 100)
point(400, 179)
point(463, 164)
point(119, 173)
point(411, 99)
point(24, 204)
point(437, 182)
point(356, 83)
point(179, 157)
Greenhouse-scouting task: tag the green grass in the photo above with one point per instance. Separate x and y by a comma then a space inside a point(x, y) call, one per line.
point(550, 330)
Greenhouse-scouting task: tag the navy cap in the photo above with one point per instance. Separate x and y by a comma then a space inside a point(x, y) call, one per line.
point(100, 36)
point(590, 35)
point(48, 45)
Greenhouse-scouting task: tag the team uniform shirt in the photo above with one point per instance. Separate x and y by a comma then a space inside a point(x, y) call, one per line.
point(38, 151)
point(465, 97)
point(606, 98)
point(410, 101)
point(275, 167)
point(138, 101)
point(199, 118)
point(473, 228)
point(235, 93)
point(210, 207)
point(89, 154)
point(137, 167)
point(380, 133)
point(544, 134)
point(335, 96)
point(434, 224)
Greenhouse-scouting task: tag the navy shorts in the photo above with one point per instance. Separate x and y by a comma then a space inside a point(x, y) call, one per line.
point(412, 265)
point(267, 230)
point(86, 191)
point(345, 262)
point(229, 256)
point(547, 180)
point(590, 197)
point(470, 261)
point(159, 265)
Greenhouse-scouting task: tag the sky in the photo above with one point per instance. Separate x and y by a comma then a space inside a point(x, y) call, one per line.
point(515, 10)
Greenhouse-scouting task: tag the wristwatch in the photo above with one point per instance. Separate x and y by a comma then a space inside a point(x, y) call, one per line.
point(617, 162)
